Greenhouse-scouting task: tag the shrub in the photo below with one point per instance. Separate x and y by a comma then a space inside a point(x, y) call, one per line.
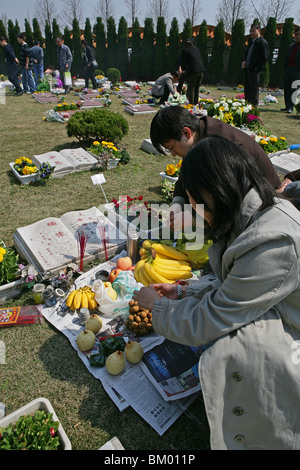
point(97, 124)
point(113, 75)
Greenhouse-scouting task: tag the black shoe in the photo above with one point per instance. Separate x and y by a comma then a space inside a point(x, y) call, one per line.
point(289, 111)
point(20, 93)
point(283, 109)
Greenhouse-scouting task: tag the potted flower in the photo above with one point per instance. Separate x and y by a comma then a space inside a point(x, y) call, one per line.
point(27, 172)
point(10, 273)
point(272, 143)
point(34, 426)
point(171, 172)
point(107, 153)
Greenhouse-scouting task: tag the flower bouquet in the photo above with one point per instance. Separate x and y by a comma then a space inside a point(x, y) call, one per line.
point(271, 143)
point(232, 111)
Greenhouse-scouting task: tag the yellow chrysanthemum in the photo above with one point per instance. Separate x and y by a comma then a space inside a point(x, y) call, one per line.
point(96, 142)
point(273, 139)
point(264, 142)
point(282, 138)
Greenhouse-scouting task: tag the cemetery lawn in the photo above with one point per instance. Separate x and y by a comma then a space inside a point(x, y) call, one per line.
point(39, 361)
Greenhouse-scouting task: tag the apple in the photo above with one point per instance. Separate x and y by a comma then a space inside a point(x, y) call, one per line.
point(124, 263)
point(114, 273)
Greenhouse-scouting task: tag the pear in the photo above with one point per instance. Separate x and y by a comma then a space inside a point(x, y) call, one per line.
point(94, 323)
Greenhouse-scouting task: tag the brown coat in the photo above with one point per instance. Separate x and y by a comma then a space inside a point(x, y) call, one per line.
point(209, 126)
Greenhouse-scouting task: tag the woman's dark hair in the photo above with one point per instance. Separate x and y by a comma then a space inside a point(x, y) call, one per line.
point(168, 123)
point(84, 42)
point(227, 172)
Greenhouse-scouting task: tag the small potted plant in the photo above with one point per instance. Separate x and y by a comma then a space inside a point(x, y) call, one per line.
point(34, 426)
point(171, 172)
point(28, 172)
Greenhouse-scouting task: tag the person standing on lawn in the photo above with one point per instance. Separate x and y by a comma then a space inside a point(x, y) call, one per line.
point(64, 61)
point(192, 66)
point(256, 56)
point(26, 65)
point(12, 65)
point(37, 53)
point(89, 61)
point(291, 72)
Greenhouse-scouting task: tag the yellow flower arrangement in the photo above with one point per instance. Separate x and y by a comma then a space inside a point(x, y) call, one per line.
point(173, 170)
point(2, 253)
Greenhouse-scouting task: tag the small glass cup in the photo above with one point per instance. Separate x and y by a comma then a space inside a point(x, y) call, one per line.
point(38, 293)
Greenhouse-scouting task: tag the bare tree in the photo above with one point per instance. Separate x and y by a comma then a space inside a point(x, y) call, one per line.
point(73, 10)
point(191, 9)
point(157, 8)
point(278, 9)
point(231, 10)
point(104, 9)
point(134, 9)
point(45, 10)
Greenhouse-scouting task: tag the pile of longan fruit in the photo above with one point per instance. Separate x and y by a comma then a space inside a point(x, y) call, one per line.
point(139, 319)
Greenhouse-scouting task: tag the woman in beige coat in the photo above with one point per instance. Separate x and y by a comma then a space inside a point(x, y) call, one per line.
point(250, 375)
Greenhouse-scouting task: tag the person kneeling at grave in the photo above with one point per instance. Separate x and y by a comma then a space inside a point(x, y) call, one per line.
point(164, 86)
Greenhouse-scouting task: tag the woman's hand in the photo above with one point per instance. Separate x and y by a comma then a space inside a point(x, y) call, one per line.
point(284, 184)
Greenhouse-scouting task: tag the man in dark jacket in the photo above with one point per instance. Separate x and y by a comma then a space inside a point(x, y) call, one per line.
point(37, 53)
point(191, 63)
point(89, 62)
point(12, 65)
point(64, 62)
point(292, 73)
point(26, 65)
point(174, 128)
point(256, 56)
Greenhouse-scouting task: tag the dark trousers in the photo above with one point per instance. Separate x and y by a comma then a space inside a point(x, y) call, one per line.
point(251, 85)
point(12, 72)
point(90, 75)
point(181, 80)
point(193, 85)
point(290, 75)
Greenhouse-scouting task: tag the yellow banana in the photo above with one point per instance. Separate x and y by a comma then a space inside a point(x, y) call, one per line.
point(171, 273)
point(143, 277)
point(77, 299)
point(171, 263)
point(169, 251)
point(70, 298)
point(147, 244)
point(137, 268)
point(92, 304)
point(155, 277)
point(84, 300)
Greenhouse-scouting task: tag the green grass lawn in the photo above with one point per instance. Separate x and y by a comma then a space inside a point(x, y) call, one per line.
point(39, 359)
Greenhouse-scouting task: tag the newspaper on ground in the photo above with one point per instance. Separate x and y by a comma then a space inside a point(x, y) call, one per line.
point(167, 377)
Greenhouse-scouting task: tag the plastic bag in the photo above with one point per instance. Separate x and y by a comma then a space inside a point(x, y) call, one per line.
point(53, 116)
point(125, 284)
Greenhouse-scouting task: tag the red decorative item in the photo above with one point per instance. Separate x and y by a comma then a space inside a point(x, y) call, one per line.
point(82, 237)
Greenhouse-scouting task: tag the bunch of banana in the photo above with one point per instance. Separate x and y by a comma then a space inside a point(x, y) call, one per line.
point(83, 297)
point(161, 263)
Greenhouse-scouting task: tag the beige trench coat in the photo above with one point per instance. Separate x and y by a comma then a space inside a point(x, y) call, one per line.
point(250, 376)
